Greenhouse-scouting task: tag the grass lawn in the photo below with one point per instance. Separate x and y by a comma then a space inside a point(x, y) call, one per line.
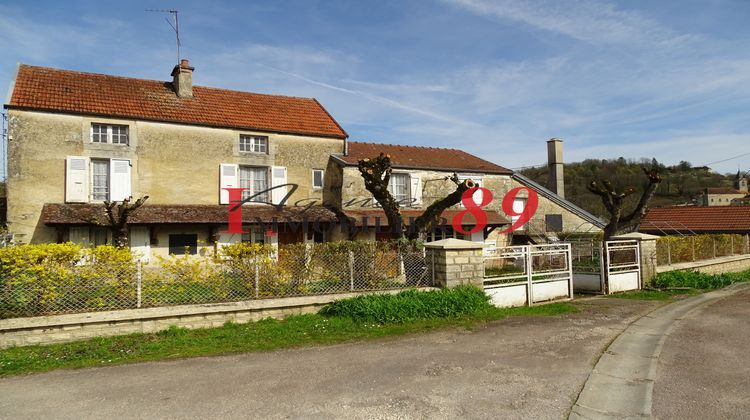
point(268, 334)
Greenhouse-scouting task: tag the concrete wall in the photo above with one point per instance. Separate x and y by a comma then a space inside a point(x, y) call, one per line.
point(731, 264)
point(172, 163)
point(64, 328)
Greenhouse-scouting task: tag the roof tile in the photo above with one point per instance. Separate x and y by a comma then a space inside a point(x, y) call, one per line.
point(56, 90)
point(422, 158)
point(697, 219)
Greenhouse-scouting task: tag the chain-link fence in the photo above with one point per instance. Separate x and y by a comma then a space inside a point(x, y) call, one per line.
point(58, 286)
point(678, 249)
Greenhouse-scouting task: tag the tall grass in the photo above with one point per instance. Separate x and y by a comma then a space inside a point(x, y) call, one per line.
point(411, 305)
point(697, 280)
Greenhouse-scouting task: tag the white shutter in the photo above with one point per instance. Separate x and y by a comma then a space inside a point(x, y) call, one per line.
point(228, 178)
point(416, 189)
point(119, 179)
point(76, 179)
point(478, 194)
point(519, 204)
point(278, 177)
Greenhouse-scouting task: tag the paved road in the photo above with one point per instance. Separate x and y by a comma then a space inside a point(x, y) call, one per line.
point(513, 368)
point(703, 371)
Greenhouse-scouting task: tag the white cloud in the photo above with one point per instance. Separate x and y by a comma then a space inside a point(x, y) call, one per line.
point(584, 20)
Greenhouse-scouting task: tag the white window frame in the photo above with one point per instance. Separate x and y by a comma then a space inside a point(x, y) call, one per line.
point(110, 135)
point(250, 185)
point(407, 186)
point(253, 144)
point(322, 179)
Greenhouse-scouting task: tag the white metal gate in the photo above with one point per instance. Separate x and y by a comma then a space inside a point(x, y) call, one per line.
point(525, 275)
point(623, 265)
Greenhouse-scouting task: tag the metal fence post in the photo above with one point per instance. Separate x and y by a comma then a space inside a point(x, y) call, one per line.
point(529, 276)
point(731, 244)
point(138, 281)
point(692, 245)
point(257, 275)
point(351, 270)
point(669, 253)
point(713, 242)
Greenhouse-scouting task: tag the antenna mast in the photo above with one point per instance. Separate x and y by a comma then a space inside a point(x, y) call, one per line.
point(175, 26)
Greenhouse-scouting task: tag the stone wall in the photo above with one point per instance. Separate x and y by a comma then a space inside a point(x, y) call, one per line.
point(64, 328)
point(731, 264)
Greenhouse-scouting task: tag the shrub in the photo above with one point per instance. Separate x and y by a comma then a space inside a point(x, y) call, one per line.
point(698, 280)
point(411, 305)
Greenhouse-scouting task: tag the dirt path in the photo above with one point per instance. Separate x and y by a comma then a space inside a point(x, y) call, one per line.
point(513, 368)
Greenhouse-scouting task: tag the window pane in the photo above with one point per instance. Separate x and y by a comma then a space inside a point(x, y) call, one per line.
point(399, 187)
point(181, 244)
point(98, 133)
point(100, 180)
point(119, 134)
point(255, 180)
point(318, 178)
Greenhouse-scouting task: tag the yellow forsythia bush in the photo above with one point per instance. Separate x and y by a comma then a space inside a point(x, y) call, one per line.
point(55, 278)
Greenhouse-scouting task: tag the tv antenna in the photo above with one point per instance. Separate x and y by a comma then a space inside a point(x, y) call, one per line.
point(175, 26)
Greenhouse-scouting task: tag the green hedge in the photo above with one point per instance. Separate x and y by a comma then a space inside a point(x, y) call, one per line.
point(698, 280)
point(411, 305)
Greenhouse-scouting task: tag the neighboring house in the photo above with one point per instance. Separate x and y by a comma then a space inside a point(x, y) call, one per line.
point(690, 220)
point(78, 139)
point(727, 196)
point(420, 176)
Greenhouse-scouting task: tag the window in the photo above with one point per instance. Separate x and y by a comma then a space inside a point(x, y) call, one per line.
point(255, 180)
point(553, 222)
point(256, 144)
point(100, 179)
point(115, 134)
point(318, 178)
point(183, 244)
point(398, 185)
point(255, 235)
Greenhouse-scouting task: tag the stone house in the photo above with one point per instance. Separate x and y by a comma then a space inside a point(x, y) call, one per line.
point(738, 195)
point(77, 139)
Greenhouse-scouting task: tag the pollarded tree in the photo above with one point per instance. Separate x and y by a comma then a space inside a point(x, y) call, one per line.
point(117, 214)
point(613, 201)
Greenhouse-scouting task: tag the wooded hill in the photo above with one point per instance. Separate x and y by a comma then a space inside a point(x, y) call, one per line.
point(682, 184)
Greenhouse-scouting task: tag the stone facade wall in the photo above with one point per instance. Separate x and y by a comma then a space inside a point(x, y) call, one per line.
point(171, 163)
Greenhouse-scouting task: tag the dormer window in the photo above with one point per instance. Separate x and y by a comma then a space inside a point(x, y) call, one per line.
point(255, 144)
point(108, 133)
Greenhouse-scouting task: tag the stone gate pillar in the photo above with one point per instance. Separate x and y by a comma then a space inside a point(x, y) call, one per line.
point(456, 262)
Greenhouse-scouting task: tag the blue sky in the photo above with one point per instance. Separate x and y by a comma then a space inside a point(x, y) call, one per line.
point(666, 79)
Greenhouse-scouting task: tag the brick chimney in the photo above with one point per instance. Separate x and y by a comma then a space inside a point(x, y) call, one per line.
point(182, 79)
point(555, 163)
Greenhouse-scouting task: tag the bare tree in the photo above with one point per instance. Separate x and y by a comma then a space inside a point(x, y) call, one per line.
point(117, 214)
point(376, 173)
point(613, 202)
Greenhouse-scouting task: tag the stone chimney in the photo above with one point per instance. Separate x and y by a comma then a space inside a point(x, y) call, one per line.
point(182, 79)
point(555, 163)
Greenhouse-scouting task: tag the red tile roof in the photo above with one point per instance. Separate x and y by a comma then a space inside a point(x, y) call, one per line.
point(422, 158)
point(47, 89)
point(85, 214)
point(724, 190)
point(697, 219)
